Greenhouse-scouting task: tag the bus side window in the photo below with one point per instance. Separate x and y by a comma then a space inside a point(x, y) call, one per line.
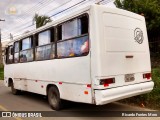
point(84, 24)
point(6, 55)
point(9, 58)
point(59, 32)
point(43, 50)
point(26, 54)
point(73, 48)
point(16, 52)
point(53, 43)
point(75, 41)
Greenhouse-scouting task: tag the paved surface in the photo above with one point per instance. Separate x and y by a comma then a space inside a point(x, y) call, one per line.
point(33, 102)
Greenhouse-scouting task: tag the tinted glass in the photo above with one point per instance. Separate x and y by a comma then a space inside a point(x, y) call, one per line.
point(26, 55)
point(10, 56)
point(71, 29)
point(16, 47)
point(73, 47)
point(26, 43)
point(43, 53)
point(16, 57)
point(44, 38)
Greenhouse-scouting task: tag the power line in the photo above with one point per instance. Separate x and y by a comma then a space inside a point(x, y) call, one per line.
point(35, 8)
point(58, 6)
point(58, 13)
point(67, 1)
point(49, 16)
point(68, 8)
point(49, 10)
point(102, 1)
point(31, 10)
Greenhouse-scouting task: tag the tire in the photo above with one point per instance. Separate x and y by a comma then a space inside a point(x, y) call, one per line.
point(14, 91)
point(54, 98)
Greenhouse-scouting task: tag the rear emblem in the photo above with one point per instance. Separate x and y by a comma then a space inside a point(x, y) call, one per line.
point(138, 35)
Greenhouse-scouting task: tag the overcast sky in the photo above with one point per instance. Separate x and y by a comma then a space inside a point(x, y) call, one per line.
point(18, 14)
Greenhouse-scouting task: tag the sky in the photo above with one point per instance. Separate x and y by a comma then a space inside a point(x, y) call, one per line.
point(18, 14)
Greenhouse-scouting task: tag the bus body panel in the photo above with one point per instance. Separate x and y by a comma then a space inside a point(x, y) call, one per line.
point(115, 94)
point(120, 42)
point(70, 75)
point(116, 54)
point(111, 36)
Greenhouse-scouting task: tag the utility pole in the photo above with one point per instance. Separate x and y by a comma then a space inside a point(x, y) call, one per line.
point(1, 61)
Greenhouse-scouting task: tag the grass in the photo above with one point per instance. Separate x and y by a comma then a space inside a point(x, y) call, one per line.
point(149, 100)
point(1, 72)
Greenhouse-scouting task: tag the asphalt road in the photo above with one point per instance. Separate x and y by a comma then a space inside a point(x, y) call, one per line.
point(33, 102)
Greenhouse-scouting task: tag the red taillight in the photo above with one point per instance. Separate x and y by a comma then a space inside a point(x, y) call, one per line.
point(60, 83)
point(147, 76)
point(107, 81)
point(88, 85)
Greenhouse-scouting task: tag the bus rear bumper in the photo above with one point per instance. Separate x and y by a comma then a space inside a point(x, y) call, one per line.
point(114, 94)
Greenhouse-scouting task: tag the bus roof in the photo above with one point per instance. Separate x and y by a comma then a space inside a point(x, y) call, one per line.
point(72, 15)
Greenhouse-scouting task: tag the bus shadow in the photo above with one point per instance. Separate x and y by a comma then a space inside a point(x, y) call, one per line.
point(72, 106)
point(70, 109)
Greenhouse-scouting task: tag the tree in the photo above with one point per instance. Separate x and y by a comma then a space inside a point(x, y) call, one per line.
point(41, 20)
point(148, 8)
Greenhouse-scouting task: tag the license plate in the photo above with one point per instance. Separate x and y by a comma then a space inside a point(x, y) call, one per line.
point(129, 77)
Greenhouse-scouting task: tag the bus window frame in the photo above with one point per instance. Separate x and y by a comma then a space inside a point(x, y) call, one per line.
point(32, 47)
point(82, 35)
point(16, 52)
point(53, 31)
point(52, 36)
point(7, 54)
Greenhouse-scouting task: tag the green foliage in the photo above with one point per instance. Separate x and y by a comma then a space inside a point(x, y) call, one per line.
point(148, 8)
point(41, 20)
point(1, 72)
point(149, 100)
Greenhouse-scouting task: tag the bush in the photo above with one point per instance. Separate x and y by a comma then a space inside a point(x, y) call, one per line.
point(1, 72)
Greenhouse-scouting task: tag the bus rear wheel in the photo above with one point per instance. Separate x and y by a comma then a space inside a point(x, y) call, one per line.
point(14, 91)
point(54, 98)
